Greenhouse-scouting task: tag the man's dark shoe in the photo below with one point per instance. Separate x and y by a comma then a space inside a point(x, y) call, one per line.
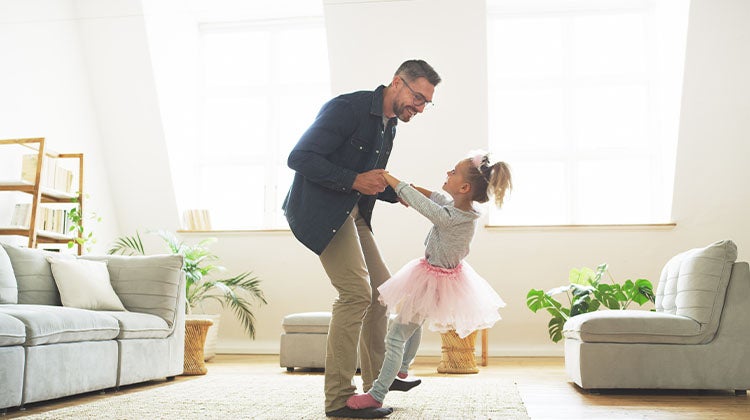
point(365, 413)
point(401, 385)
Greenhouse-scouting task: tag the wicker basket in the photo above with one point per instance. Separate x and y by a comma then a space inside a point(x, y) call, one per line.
point(195, 337)
point(458, 353)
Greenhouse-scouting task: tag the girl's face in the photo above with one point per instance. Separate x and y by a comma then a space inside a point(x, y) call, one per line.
point(456, 182)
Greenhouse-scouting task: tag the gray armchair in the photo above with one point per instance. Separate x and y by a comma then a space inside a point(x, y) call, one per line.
point(698, 337)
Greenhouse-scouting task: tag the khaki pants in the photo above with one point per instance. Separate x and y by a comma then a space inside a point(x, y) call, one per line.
point(356, 269)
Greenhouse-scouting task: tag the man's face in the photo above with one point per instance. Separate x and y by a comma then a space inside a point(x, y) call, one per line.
point(412, 97)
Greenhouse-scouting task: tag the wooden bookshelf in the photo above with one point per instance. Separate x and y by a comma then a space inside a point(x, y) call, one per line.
point(43, 194)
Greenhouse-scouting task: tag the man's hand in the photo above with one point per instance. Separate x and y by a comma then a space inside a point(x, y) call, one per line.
point(370, 182)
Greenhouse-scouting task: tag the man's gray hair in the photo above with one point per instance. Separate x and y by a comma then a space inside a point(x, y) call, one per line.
point(413, 69)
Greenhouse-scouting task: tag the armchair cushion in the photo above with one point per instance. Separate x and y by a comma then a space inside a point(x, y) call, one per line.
point(631, 327)
point(693, 284)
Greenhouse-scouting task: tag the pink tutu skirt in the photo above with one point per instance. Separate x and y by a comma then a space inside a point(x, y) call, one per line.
point(446, 299)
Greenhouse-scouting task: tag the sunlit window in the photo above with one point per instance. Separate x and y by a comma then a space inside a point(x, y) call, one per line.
point(263, 83)
point(584, 105)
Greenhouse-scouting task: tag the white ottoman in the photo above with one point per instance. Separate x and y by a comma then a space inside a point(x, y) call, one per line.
point(303, 342)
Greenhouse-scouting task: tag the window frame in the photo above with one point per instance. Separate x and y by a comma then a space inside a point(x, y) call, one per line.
point(273, 93)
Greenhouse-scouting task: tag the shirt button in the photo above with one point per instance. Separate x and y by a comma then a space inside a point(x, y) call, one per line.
point(377, 151)
point(347, 212)
point(334, 230)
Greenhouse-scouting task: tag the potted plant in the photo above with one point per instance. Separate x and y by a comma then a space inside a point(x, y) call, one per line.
point(239, 292)
point(586, 292)
point(83, 238)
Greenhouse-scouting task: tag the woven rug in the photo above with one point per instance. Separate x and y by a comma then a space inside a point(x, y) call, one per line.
point(299, 395)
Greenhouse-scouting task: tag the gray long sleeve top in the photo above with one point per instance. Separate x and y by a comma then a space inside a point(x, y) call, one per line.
point(448, 241)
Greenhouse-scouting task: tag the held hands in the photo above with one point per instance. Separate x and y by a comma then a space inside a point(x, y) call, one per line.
point(370, 182)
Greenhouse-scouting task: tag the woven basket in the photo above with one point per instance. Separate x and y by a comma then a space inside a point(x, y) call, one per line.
point(195, 337)
point(458, 353)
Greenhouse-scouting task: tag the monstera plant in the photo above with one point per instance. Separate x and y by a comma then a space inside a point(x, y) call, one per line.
point(587, 291)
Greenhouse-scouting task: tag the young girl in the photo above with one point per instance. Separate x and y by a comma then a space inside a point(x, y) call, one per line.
point(440, 289)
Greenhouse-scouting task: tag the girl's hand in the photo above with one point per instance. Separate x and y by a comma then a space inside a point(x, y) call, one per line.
point(390, 179)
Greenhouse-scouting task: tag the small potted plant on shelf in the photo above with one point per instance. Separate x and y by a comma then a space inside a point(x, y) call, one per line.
point(586, 292)
point(239, 292)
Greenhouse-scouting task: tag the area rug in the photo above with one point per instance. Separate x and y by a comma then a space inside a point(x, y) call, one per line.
point(282, 395)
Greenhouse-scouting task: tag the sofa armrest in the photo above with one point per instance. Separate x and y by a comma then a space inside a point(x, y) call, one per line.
point(151, 284)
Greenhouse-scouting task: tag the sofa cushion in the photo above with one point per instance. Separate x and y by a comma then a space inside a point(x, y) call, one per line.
point(632, 326)
point(694, 284)
point(138, 325)
point(47, 324)
point(34, 276)
point(146, 284)
point(8, 285)
point(12, 331)
point(84, 284)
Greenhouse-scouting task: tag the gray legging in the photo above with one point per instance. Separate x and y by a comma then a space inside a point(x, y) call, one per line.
point(401, 344)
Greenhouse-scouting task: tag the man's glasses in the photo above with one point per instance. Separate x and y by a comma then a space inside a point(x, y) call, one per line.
point(419, 99)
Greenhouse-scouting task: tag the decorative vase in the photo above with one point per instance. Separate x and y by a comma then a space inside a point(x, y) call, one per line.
point(458, 353)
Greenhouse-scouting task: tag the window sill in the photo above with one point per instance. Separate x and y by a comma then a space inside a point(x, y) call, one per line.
point(628, 227)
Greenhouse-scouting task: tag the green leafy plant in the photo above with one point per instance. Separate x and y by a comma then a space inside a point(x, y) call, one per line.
point(82, 237)
point(586, 292)
point(200, 265)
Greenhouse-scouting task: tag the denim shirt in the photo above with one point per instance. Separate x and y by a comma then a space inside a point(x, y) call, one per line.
point(347, 138)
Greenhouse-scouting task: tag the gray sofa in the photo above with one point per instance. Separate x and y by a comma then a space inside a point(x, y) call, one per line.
point(49, 351)
point(697, 338)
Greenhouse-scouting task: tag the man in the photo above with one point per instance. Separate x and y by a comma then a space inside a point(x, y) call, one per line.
point(339, 164)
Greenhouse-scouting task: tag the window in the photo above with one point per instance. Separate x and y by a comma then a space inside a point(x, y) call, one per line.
point(584, 105)
point(263, 84)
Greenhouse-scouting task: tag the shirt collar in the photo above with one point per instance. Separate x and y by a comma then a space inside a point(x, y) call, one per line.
point(376, 108)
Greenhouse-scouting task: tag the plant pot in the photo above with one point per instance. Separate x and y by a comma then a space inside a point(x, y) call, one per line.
point(209, 348)
point(458, 353)
point(195, 337)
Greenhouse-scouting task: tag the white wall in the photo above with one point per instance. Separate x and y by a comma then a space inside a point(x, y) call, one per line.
point(114, 40)
point(368, 40)
point(45, 92)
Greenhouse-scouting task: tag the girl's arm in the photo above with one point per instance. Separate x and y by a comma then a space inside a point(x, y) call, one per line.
point(393, 182)
point(418, 201)
point(424, 191)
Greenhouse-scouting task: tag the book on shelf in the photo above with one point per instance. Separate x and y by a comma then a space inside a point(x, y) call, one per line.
point(21, 215)
point(196, 219)
point(48, 220)
point(53, 175)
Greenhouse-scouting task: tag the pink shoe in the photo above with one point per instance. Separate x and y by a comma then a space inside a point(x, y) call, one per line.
point(360, 401)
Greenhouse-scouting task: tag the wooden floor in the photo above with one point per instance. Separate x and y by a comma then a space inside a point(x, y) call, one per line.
point(542, 383)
